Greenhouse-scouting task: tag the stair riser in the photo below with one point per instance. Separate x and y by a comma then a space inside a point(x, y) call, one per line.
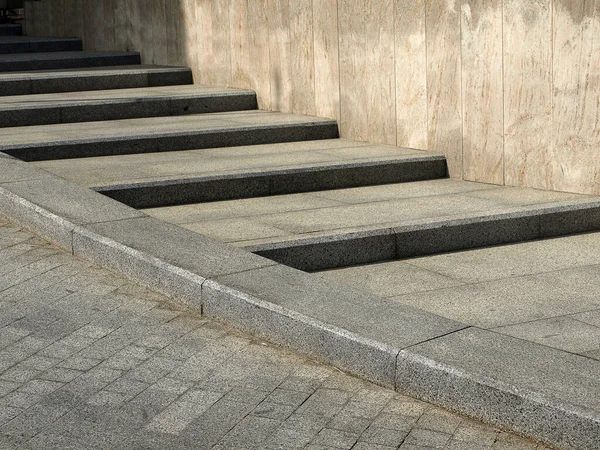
point(126, 110)
point(384, 245)
point(165, 143)
point(94, 83)
point(152, 195)
point(71, 63)
point(71, 45)
point(10, 30)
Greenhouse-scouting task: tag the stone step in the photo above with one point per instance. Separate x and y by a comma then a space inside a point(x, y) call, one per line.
point(10, 29)
point(92, 79)
point(161, 179)
point(344, 227)
point(28, 44)
point(543, 392)
point(90, 106)
point(160, 134)
point(18, 62)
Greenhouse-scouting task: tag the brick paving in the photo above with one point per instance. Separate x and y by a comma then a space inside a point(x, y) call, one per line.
point(91, 361)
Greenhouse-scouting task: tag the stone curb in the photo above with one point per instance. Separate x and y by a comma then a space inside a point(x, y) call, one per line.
point(495, 378)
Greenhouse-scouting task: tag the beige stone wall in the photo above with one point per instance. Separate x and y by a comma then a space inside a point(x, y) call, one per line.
point(509, 90)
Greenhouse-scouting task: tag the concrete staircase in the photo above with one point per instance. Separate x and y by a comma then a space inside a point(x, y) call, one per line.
point(207, 163)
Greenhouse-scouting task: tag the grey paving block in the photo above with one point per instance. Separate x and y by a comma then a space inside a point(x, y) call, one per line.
point(91, 79)
point(28, 44)
point(65, 60)
point(275, 182)
point(535, 390)
point(42, 109)
point(322, 319)
point(166, 257)
point(163, 134)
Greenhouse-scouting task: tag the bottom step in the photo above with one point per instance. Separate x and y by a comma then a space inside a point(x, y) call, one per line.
point(345, 227)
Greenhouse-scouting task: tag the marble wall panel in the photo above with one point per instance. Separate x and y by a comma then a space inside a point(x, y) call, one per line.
point(280, 52)
point(175, 33)
point(353, 69)
point(482, 91)
point(326, 52)
point(411, 74)
point(508, 90)
point(188, 36)
point(380, 71)
point(89, 24)
point(159, 32)
point(139, 29)
point(527, 92)
point(240, 56)
point(575, 157)
point(204, 42)
point(444, 102)
point(302, 56)
point(257, 41)
point(221, 43)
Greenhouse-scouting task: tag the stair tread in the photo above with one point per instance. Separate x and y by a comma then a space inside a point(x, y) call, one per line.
point(19, 62)
point(285, 219)
point(57, 100)
point(213, 162)
point(28, 44)
point(148, 128)
point(88, 71)
point(52, 56)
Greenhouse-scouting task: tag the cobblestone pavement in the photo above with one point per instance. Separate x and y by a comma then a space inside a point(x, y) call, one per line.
point(91, 361)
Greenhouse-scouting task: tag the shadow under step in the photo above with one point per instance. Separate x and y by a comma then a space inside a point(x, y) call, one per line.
point(162, 134)
point(92, 79)
point(91, 106)
point(275, 182)
point(65, 60)
point(27, 44)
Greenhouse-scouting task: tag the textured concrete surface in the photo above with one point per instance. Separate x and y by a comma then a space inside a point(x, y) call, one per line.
point(43, 109)
point(377, 223)
point(182, 177)
point(30, 44)
point(64, 60)
point(128, 169)
point(156, 134)
point(91, 78)
point(89, 360)
point(543, 291)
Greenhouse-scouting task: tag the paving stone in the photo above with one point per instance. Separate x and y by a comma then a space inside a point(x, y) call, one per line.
point(335, 438)
point(281, 400)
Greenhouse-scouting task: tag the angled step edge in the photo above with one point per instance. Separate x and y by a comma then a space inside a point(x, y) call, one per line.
point(65, 60)
point(92, 79)
point(540, 392)
point(384, 244)
point(24, 44)
point(276, 182)
point(229, 135)
point(48, 112)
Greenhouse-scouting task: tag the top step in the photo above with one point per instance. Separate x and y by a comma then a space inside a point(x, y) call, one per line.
point(10, 29)
point(28, 44)
point(65, 60)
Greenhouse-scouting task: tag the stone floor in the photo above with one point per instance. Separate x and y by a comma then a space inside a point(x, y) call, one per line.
point(89, 360)
point(545, 291)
